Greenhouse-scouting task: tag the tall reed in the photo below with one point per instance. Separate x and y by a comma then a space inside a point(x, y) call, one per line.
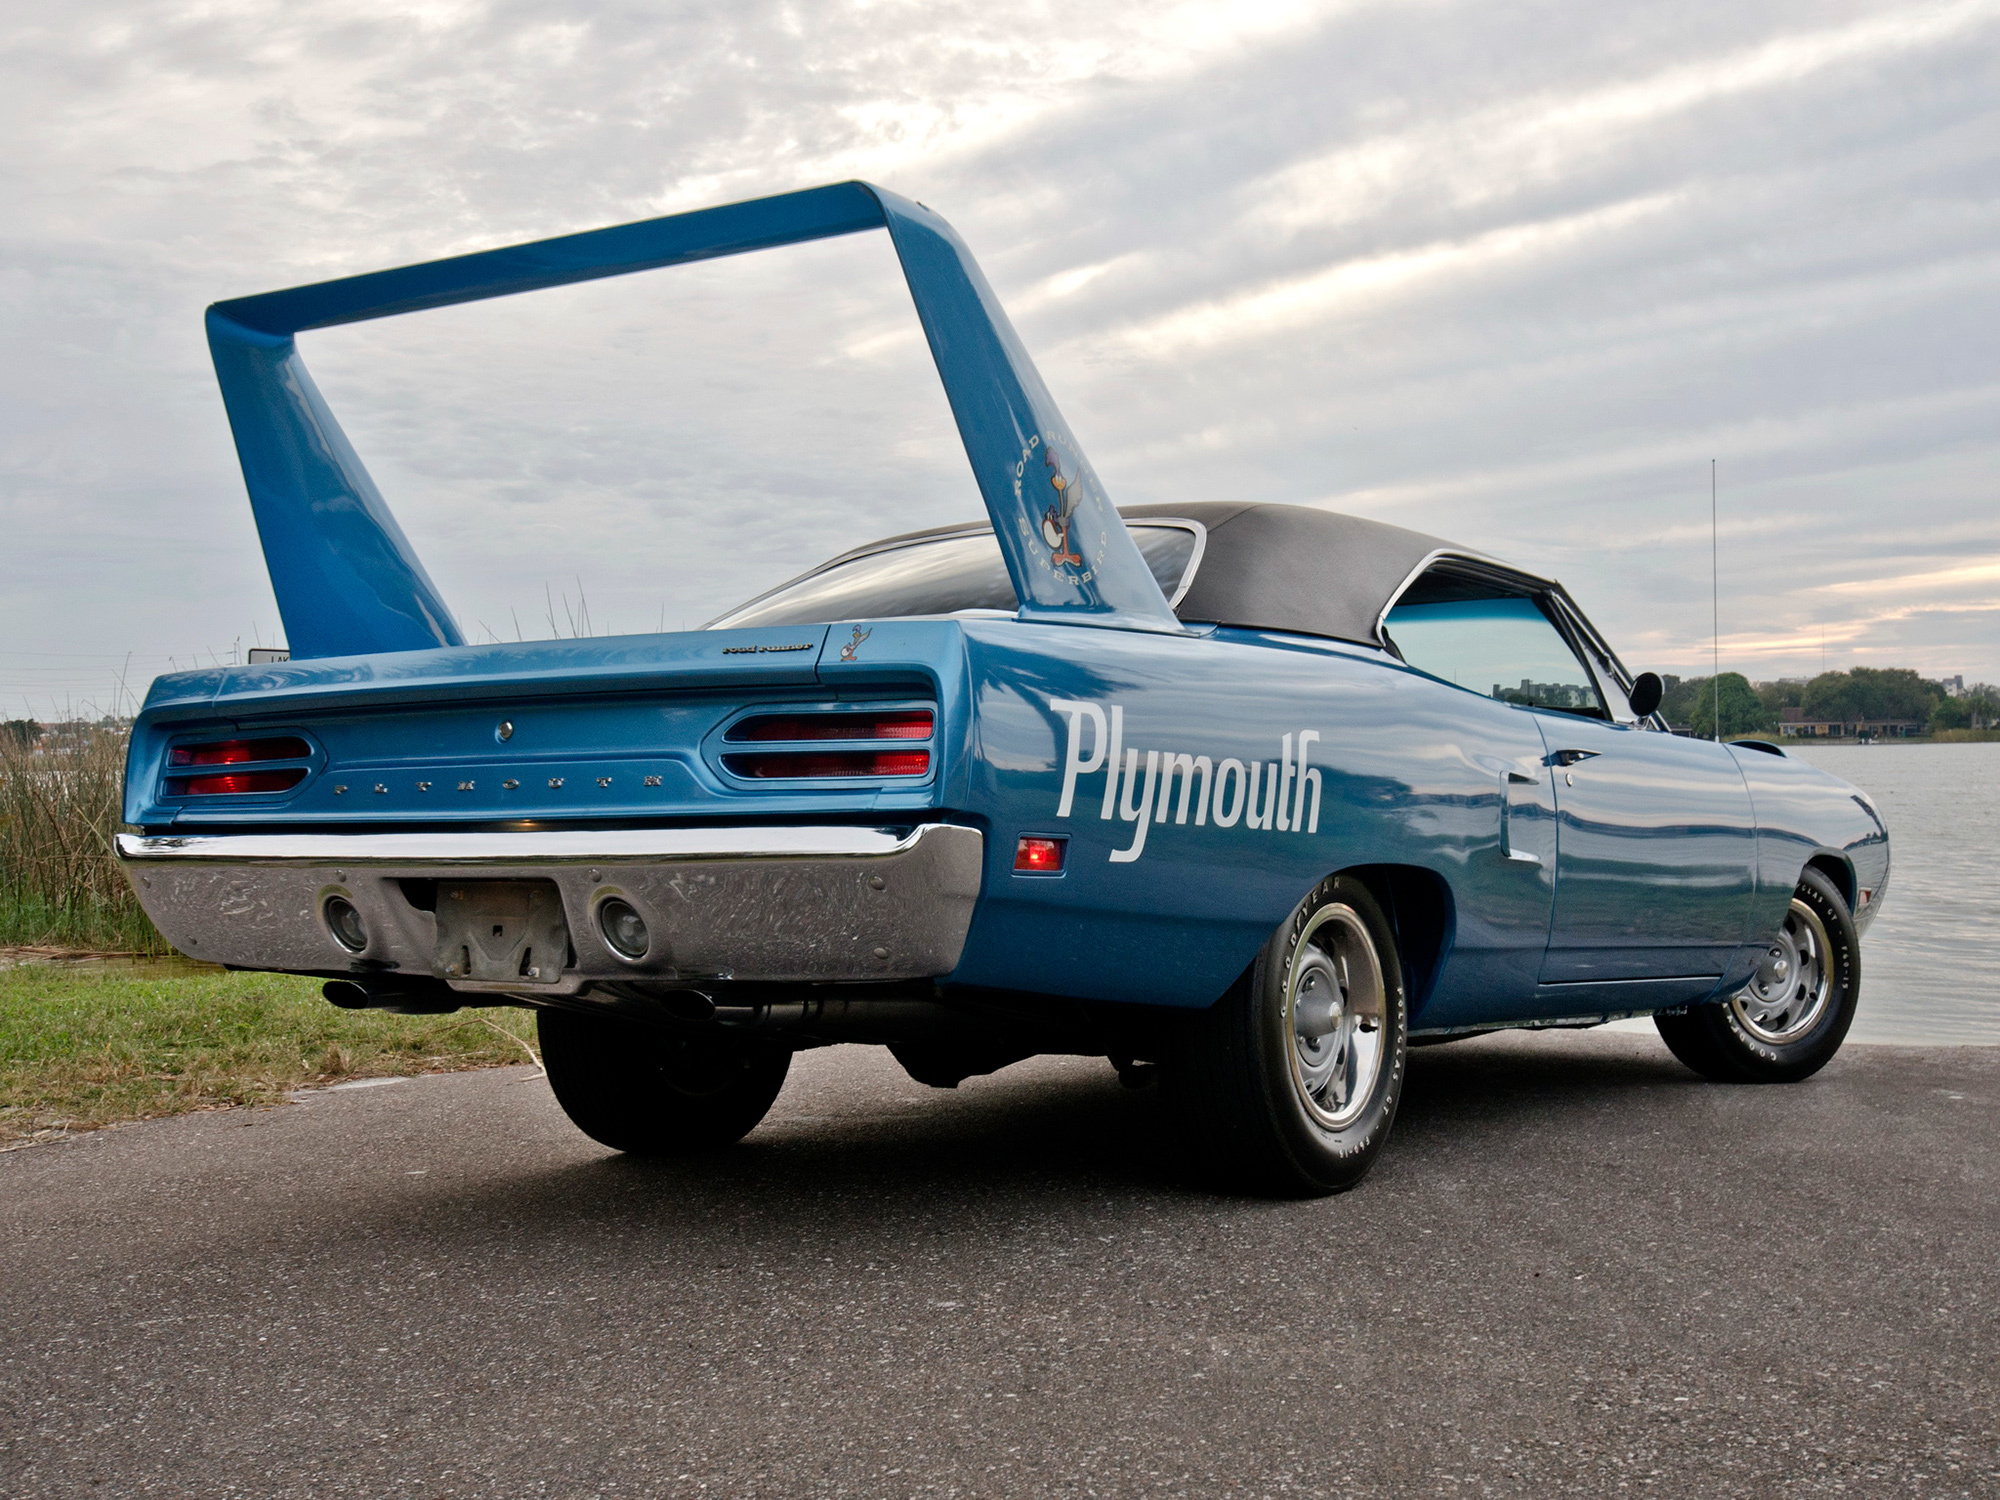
point(60, 884)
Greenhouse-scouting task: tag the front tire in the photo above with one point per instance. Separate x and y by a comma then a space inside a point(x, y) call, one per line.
point(1790, 1019)
point(649, 1092)
point(1288, 1084)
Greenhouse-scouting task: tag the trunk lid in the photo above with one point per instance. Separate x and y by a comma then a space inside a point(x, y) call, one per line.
point(627, 729)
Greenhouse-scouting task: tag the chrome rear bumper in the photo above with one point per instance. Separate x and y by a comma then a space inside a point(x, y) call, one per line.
point(769, 904)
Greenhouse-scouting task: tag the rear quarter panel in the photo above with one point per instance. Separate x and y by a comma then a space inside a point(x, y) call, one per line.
point(1177, 924)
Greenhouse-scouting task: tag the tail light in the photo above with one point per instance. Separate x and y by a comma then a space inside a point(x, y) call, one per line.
point(249, 772)
point(235, 783)
point(818, 763)
point(899, 724)
point(239, 752)
point(822, 761)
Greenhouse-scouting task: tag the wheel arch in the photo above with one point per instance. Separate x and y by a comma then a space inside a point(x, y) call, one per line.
point(1838, 869)
point(1419, 907)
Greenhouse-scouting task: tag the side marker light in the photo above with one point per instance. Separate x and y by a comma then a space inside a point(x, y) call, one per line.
point(1040, 856)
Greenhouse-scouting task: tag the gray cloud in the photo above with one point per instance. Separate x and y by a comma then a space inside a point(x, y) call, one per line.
point(1513, 276)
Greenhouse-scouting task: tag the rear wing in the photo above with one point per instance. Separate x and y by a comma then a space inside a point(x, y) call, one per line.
point(349, 583)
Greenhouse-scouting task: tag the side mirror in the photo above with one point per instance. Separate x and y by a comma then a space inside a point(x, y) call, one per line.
point(1647, 689)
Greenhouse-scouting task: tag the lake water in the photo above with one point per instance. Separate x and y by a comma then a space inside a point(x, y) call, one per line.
point(1930, 964)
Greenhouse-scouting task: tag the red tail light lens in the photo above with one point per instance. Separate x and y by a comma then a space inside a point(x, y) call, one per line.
point(902, 724)
point(235, 783)
point(238, 752)
point(817, 763)
point(1039, 856)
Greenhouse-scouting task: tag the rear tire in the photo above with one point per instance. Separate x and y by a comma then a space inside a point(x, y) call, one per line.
point(1788, 1022)
point(646, 1091)
point(1288, 1084)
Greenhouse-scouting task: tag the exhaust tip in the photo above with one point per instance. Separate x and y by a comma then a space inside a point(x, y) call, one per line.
point(343, 920)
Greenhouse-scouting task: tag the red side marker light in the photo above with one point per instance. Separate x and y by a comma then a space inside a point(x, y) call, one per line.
point(1039, 856)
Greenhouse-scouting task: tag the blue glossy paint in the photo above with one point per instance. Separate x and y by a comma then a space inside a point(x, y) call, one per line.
point(345, 576)
point(1656, 855)
point(347, 580)
point(1672, 884)
point(597, 716)
point(1170, 884)
point(1803, 814)
point(1408, 773)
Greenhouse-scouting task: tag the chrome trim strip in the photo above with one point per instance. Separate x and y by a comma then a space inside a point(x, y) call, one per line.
point(555, 847)
point(1570, 984)
point(1622, 677)
point(1194, 558)
point(1430, 559)
point(1589, 637)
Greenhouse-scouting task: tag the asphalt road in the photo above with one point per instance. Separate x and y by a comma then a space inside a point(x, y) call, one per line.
point(1578, 1271)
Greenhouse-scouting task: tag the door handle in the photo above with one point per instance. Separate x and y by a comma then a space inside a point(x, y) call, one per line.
point(1570, 757)
point(1507, 850)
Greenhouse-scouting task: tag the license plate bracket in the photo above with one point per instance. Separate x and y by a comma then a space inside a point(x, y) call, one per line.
point(510, 931)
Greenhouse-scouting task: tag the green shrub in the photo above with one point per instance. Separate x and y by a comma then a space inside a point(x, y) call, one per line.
point(60, 884)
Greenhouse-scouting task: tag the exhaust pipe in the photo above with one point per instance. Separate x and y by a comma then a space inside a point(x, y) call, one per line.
point(404, 996)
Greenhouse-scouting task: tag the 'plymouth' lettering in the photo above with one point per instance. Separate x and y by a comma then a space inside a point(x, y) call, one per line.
point(1144, 788)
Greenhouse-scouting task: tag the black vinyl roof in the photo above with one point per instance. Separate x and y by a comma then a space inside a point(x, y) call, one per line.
point(1290, 568)
point(1296, 569)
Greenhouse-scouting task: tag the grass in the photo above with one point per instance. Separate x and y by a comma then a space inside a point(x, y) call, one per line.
point(60, 885)
point(82, 1049)
point(82, 1046)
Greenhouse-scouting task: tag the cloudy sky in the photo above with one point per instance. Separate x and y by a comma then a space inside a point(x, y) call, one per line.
point(1511, 274)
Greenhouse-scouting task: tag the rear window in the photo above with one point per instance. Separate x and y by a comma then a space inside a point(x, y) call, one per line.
point(936, 576)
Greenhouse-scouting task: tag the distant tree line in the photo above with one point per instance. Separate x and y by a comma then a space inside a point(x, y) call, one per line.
point(1871, 693)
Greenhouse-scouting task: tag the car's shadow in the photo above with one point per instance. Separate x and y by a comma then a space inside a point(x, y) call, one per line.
point(1031, 1141)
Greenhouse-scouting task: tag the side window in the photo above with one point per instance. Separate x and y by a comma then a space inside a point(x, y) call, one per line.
point(1502, 646)
point(1609, 689)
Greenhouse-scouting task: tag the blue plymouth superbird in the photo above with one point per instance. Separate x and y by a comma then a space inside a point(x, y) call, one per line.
point(1253, 796)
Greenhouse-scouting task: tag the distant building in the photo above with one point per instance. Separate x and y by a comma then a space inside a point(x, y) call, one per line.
point(72, 736)
point(1954, 687)
point(1793, 721)
point(1546, 694)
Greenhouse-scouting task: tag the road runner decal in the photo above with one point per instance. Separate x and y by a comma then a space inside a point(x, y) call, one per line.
point(1050, 472)
point(1280, 796)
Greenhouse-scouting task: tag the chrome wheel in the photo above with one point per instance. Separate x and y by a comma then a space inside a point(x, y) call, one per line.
point(1793, 983)
point(1334, 1001)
